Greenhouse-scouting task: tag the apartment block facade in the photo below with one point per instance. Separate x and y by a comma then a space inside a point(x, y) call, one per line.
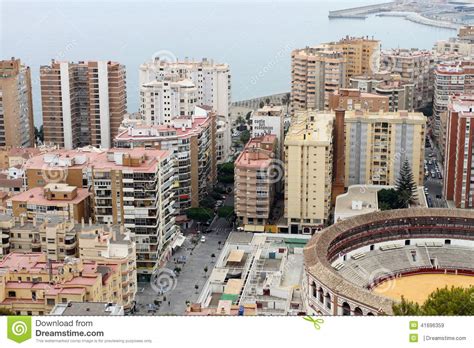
point(193, 140)
point(269, 120)
point(353, 99)
point(315, 73)
point(377, 144)
point(256, 180)
point(172, 89)
point(362, 54)
point(449, 79)
point(31, 284)
point(61, 239)
point(162, 101)
point(133, 187)
point(308, 171)
point(400, 93)
point(115, 246)
point(318, 71)
point(458, 181)
point(52, 200)
point(414, 67)
point(211, 79)
point(83, 103)
point(16, 105)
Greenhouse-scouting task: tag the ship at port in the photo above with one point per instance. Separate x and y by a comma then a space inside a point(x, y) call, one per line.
point(450, 14)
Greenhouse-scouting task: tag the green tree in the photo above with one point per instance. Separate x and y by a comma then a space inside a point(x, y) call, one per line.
point(405, 185)
point(388, 199)
point(200, 214)
point(245, 137)
point(454, 301)
point(225, 212)
point(226, 168)
point(207, 202)
point(406, 308)
point(262, 104)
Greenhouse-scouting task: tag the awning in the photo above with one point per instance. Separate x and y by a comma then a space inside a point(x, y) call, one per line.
point(178, 241)
point(235, 256)
point(234, 286)
point(254, 228)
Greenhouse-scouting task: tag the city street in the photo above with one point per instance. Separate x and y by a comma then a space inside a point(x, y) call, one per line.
point(434, 185)
point(197, 257)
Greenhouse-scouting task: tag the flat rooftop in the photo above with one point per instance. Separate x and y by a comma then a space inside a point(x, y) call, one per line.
point(311, 126)
point(36, 196)
point(97, 158)
point(359, 199)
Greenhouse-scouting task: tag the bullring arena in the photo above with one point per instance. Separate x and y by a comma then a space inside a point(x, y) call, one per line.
point(360, 266)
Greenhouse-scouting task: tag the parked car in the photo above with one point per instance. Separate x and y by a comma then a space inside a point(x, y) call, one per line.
point(203, 239)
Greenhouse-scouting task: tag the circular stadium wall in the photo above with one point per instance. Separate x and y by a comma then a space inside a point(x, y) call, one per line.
point(353, 266)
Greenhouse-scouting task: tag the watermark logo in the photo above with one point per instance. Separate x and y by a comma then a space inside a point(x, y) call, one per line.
point(164, 56)
point(19, 328)
point(54, 174)
point(317, 322)
point(163, 280)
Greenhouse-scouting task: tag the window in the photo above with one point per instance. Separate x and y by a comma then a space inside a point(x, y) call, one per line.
point(346, 309)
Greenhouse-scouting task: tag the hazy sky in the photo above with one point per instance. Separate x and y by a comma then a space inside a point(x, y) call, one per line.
point(255, 38)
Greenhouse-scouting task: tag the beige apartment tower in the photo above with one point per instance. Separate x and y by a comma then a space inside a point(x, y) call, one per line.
point(16, 105)
point(319, 71)
point(362, 55)
point(83, 103)
point(308, 171)
point(377, 144)
point(316, 72)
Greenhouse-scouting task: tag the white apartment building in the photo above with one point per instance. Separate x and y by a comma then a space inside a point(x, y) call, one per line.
point(269, 120)
point(172, 89)
point(162, 101)
point(212, 80)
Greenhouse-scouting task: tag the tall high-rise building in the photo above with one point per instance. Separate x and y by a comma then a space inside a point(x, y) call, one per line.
point(415, 67)
point(162, 101)
point(377, 144)
point(362, 54)
point(449, 79)
point(318, 71)
point(171, 90)
point(193, 138)
point(16, 105)
point(254, 182)
point(458, 185)
point(308, 171)
point(83, 103)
